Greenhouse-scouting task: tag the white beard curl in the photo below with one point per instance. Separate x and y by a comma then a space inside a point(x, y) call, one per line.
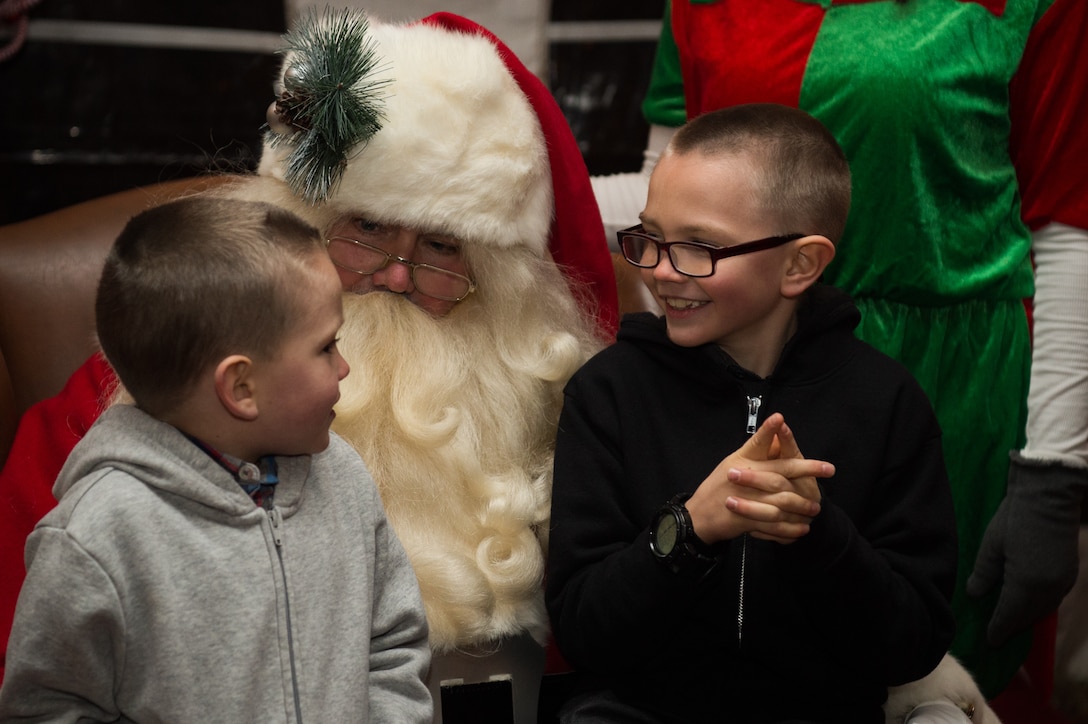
point(455, 418)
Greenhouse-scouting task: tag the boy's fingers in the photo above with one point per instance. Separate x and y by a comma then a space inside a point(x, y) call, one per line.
point(794, 534)
point(783, 507)
point(764, 521)
point(787, 443)
point(806, 468)
point(758, 446)
point(778, 475)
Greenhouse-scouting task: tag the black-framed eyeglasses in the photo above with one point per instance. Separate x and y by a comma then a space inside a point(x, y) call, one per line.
point(690, 258)
point(361, 258)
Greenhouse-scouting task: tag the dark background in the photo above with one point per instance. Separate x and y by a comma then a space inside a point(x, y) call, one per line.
point(83, 119)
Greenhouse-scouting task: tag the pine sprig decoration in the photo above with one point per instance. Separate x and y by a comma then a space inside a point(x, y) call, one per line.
point(328, 106)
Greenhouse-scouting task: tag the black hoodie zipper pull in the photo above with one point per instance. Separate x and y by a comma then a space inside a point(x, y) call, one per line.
point(753, 413)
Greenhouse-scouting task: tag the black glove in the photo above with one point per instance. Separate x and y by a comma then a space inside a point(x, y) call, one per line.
point(1030, 546)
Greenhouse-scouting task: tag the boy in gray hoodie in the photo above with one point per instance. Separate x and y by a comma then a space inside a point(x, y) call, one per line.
point(217, 553)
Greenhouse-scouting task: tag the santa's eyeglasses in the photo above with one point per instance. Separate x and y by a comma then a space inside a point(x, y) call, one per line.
point(361, 258)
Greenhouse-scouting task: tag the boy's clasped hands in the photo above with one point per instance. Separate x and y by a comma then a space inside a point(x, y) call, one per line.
point(766, 488)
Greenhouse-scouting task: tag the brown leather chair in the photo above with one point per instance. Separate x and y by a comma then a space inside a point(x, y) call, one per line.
point(49, 268)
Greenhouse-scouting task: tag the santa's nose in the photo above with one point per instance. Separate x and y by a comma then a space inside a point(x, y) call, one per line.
point(396, 277)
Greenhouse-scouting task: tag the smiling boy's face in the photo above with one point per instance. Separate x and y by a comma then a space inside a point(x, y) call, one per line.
point(711, 199)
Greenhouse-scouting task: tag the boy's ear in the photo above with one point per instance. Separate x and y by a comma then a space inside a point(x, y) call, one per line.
point(811, 255)
point(234, 385)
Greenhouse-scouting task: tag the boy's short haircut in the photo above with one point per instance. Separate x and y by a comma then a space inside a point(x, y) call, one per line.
point(803, 174)
point(193, 281)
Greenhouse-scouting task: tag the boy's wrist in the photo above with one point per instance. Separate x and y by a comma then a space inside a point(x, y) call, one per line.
point(674, 543)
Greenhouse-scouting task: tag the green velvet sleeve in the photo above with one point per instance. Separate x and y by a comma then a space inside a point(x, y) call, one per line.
point(664, 102)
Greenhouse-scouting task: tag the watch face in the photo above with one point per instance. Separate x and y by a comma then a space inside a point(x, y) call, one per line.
point(665, 534)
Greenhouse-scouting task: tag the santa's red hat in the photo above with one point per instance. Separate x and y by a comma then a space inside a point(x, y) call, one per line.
point(443, 129)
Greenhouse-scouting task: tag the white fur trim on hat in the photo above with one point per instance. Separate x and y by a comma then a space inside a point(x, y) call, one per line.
point(460, 151)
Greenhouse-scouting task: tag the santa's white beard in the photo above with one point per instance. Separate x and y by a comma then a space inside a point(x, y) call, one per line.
point(458, 430)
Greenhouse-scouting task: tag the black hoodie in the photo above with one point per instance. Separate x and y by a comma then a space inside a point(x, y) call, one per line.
point(815, 630)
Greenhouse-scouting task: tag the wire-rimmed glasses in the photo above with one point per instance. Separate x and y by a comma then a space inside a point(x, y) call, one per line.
point(690, 258)
point(362, 258)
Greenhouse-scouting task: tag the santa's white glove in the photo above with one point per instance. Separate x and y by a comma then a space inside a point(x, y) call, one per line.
point(937, 712)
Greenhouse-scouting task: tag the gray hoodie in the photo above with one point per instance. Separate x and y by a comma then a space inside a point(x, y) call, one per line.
point(158, 591)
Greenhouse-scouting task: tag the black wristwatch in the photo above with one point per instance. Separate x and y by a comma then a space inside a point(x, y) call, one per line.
point(674, 543)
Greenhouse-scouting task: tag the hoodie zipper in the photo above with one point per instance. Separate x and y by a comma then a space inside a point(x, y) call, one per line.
point(275, 519)
point(754, 403)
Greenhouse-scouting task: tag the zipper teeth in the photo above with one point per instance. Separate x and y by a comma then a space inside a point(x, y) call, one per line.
point(275, 519)
point(754, 403)
point(740, 602)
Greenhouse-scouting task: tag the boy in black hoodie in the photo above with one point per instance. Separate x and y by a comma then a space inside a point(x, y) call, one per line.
point(697, 569)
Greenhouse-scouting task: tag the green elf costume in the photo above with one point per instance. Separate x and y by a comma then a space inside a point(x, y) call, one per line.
point(966, 125)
